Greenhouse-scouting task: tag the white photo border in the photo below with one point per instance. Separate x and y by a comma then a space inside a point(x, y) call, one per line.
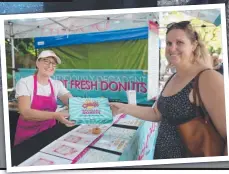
point(105, 12)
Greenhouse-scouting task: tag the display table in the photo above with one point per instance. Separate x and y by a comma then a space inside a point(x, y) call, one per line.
point(139, 145)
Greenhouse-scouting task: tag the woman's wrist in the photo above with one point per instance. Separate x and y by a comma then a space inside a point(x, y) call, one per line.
point(125, 109)
point(56, 115)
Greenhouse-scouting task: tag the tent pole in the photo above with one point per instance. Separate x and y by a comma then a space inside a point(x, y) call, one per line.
point(12, 53)
point(13, 60)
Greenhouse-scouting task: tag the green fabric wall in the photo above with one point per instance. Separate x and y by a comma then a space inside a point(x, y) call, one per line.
point(109, 55)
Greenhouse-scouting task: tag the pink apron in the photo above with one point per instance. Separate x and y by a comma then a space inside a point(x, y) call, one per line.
point(27, 129)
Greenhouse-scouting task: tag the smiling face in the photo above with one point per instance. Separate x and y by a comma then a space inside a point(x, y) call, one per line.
point(46, 66)
point(179, 48)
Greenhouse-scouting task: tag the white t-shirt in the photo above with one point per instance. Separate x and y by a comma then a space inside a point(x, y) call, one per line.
point(25, 86)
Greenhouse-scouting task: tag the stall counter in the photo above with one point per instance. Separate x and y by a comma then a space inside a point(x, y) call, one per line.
point(140, 145)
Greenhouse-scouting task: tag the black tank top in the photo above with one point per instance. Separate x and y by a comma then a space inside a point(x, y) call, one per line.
point(175, 109)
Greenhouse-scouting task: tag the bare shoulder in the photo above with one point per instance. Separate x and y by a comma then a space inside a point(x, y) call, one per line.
point(211, 86)
point(211, 77)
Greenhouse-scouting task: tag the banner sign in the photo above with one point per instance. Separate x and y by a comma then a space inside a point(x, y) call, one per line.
point(111, 84)
point(148, 136)
point(142, 145)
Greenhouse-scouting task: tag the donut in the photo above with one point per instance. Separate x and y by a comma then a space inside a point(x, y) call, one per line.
point(96, 130)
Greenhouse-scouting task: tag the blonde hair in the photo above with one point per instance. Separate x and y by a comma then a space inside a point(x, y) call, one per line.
point(201, 52)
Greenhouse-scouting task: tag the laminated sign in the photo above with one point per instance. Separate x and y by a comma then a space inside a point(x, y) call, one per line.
point(90, 110)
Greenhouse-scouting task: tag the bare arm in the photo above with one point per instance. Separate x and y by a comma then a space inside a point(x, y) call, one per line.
point(36, 115)
point(32, 114)
point(211, 87)
point(65, 98)
point(144, 113)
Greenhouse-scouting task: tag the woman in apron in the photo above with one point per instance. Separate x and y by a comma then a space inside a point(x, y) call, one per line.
point(37, 99)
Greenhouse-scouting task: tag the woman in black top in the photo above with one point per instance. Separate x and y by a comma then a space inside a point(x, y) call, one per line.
point(186, 52)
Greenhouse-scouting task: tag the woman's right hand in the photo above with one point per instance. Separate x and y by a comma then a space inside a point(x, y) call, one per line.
point(62, 117)
point(117, 108)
